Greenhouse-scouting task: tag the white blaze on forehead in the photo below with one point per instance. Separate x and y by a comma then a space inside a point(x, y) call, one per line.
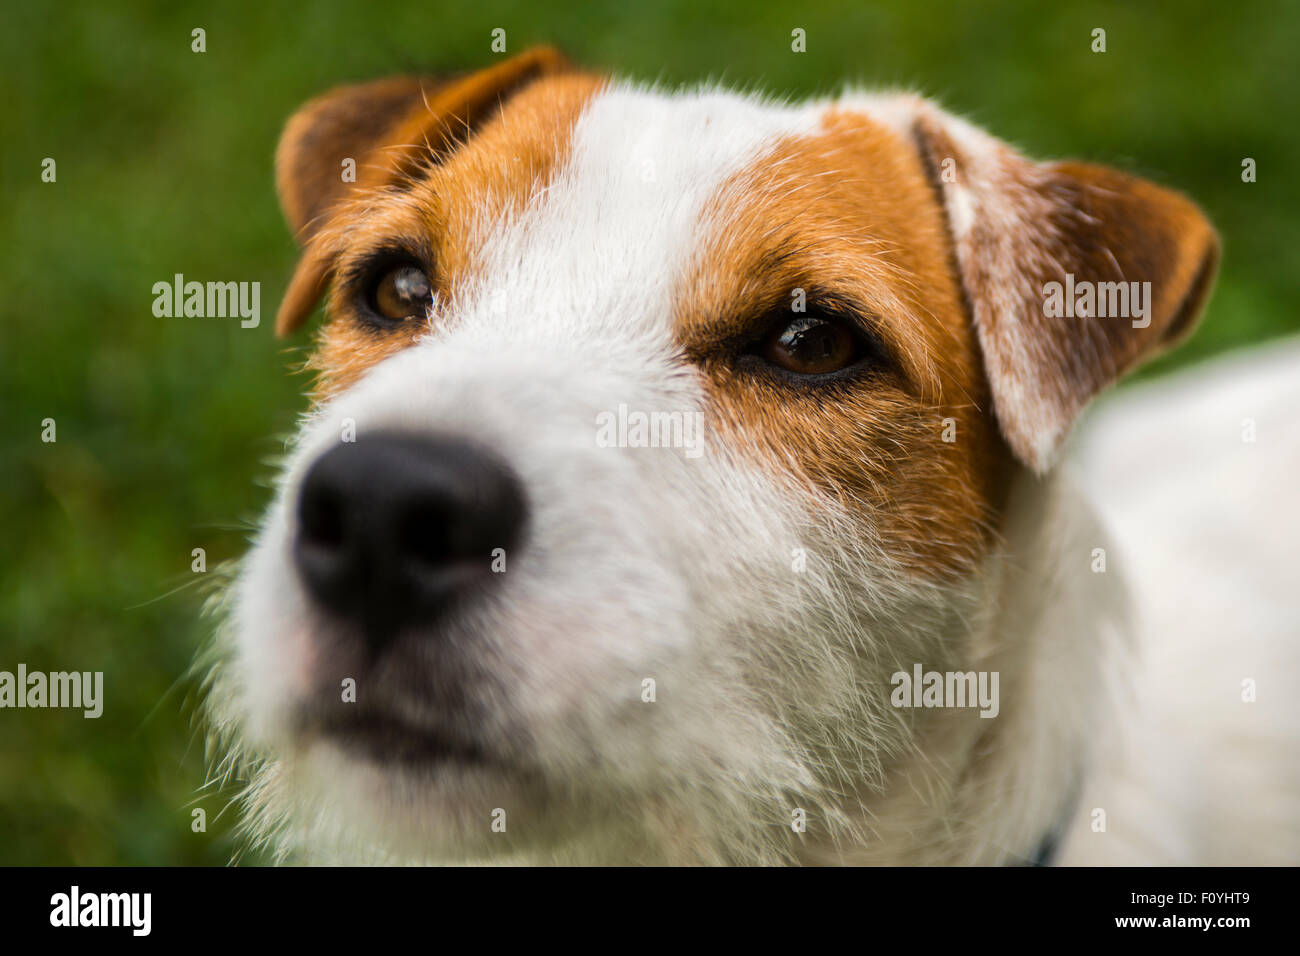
point(601, 247)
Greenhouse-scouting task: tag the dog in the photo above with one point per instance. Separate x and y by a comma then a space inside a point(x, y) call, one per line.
point(680, 486)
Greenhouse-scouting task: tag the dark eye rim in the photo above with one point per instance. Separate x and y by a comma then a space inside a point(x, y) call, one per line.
point(873, 357)
point(363, 278)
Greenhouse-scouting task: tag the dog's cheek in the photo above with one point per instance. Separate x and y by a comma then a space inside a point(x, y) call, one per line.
point(917, 480)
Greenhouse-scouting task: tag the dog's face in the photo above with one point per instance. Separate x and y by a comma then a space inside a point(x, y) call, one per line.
point(483, 618)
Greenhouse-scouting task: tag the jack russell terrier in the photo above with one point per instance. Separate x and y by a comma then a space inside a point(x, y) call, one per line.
point(679, 487)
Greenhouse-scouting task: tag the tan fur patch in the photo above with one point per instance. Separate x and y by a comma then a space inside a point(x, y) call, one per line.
point(495, 174)
point(391, 130)
point(850, 214)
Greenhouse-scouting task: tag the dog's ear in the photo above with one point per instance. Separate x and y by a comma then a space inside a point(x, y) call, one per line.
point(374, 135)
point(1019, 227)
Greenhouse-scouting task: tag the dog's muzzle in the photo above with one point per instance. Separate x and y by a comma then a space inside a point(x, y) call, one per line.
point(393, 528)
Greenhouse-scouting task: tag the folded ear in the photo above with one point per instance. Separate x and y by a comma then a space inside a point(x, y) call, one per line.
point(1073, 273)
point(383, 131)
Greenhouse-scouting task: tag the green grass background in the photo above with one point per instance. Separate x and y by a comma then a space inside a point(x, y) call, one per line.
point(164, 166)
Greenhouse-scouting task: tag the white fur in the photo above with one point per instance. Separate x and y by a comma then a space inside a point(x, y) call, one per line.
point(1206, 526)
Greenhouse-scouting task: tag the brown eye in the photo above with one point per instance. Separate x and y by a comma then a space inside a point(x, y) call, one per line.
point(811, 345)
point(402, 293)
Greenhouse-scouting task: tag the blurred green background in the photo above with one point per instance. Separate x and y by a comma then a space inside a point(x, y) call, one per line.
point(164, 166)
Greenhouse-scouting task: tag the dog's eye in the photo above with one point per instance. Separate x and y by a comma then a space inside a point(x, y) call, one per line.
point(812, 345)
point(401, 293)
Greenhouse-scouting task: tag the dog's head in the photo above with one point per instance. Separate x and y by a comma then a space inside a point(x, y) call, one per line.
point(652, 433)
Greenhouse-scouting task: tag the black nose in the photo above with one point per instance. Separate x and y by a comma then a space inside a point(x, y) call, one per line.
point(393, 527)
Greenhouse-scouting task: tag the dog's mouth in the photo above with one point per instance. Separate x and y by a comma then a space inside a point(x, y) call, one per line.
point(386, 739)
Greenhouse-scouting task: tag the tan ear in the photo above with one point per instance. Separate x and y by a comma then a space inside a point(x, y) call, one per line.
point(1048, 254)
point(388, 129)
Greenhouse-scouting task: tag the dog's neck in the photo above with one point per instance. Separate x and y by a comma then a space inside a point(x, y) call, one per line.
point(998, 791)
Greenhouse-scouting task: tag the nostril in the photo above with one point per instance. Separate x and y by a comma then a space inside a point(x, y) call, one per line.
point(321, 515)
point(424, 534)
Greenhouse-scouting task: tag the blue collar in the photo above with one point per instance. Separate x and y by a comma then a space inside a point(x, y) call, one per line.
point(1049, 844)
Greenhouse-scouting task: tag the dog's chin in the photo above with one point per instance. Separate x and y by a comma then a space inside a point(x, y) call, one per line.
point(398, 794)
point(378, 789)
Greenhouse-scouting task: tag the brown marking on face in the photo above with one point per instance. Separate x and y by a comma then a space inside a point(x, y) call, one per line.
point(391, 130)
point(438, 219)
point(849, 216)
